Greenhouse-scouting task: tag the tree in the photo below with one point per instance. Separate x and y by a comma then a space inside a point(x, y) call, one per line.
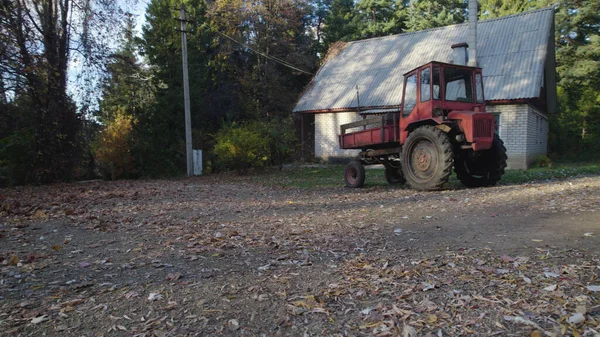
point(127, 86)
point(338, 23)
point(489, 9)
point(425, 14)
point(127, 93)
point(37, 40)
point(160, 145)
point(374, 18)
point(578, 67)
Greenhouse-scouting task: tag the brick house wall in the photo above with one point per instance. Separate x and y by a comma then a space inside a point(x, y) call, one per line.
point(524, 131)
point(522, 127)
point(327, 128)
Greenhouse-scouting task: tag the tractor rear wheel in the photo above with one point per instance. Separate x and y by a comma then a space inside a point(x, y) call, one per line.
point(394, 175)
point(484, 169)
point(354, 174)
point(427, 158)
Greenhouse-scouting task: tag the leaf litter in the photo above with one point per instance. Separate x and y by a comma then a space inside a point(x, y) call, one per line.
point(221, 256)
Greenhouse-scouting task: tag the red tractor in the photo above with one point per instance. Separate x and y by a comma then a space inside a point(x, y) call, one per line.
point(441, 123)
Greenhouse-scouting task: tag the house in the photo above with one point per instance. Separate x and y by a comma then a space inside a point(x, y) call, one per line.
point(365, 77)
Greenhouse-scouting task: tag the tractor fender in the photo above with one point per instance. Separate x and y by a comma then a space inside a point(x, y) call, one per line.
point(412, 126)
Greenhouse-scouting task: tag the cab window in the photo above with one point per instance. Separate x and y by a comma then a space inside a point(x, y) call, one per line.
point(425, 85)
point(436, 83)
point(459, 85)
point(479, 88)
point(410, 94)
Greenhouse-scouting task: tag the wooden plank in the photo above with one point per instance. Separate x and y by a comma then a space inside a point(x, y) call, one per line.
point(375, 121)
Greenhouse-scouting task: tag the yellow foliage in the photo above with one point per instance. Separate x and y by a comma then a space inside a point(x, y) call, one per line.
point(113, 151)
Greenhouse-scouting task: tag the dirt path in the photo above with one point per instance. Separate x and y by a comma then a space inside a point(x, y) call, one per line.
point(220, 256)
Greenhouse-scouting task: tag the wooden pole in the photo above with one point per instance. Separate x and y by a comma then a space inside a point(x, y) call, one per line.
point(186, 96)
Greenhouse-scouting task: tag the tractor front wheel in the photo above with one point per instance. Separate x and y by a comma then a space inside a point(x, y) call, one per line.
point(427, 158)
point(354, 174)
point(481, 169)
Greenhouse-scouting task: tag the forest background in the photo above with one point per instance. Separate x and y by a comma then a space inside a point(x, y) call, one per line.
point(123, 115)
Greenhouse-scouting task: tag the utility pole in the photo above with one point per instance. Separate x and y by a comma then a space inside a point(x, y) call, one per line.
point(186, 96)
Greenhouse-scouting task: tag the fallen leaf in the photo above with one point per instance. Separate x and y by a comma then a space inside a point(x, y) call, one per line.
point(173, 276)
point(551, 287)
point(409, 331)
point(14, 260)
point(40, 319)
point(593, 288)
point(234, 324)
point(576, 318)
point(155, 297)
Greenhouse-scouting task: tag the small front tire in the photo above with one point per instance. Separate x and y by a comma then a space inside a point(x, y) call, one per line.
point(354, 174)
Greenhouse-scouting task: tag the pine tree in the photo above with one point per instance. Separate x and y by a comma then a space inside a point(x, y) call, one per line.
point(424, 14)
point(338, 23)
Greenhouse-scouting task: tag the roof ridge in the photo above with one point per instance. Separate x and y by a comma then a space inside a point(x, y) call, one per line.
point(454, 25)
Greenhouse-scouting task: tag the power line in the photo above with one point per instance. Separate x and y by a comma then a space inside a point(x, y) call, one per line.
point(272, 58)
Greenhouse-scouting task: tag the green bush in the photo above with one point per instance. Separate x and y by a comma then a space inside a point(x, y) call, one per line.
point(542, 161)
point(240, 147)
point(16, 153)
point(282, 141)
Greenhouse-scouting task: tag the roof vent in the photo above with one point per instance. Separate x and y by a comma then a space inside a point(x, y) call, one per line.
point(459, 53)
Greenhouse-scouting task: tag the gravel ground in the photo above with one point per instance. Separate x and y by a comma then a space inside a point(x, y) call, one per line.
point(218, 255)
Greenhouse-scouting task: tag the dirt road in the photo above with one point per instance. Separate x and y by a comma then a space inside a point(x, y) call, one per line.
point(220, 256)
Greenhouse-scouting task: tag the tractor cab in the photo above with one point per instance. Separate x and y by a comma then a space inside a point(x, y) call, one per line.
point(441, 93)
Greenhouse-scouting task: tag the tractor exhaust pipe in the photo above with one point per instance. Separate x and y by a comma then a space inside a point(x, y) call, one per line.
point(472, 36)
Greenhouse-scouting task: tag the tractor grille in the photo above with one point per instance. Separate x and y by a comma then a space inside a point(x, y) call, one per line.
point(482, 128)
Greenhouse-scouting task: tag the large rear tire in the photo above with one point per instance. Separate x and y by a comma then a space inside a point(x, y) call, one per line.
point(427, 158)
point(354, 174)
point(483, 169)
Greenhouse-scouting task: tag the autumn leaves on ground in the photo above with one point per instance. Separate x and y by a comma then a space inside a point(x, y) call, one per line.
point(227, 255)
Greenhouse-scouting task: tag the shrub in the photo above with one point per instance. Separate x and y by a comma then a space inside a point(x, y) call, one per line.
point(113, 150)
point(282, 141)
point(16, 153)
point(240, 147)
point(542, 161)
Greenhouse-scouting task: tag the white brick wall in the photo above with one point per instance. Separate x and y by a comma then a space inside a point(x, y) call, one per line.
point(537, 135)
point(327, 129)
point(523, 129)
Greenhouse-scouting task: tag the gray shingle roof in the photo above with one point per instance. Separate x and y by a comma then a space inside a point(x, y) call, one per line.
point(512, 51)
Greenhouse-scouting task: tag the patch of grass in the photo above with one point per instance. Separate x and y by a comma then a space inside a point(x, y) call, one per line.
point(559, 171)
point(314, 177)
point(308, 177)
